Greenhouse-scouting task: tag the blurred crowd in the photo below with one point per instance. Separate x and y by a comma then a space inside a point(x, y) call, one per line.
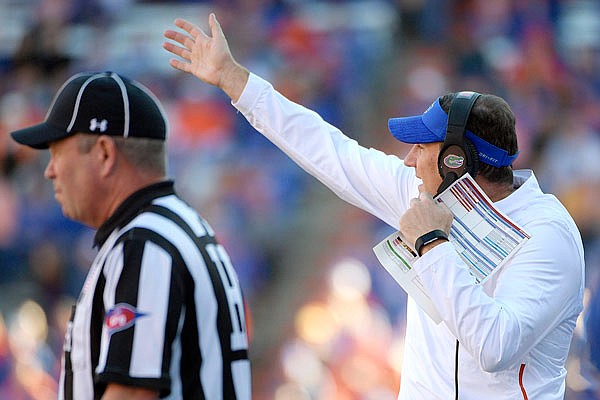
point(326, 320)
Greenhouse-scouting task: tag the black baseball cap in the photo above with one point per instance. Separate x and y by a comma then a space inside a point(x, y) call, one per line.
point(103, 103)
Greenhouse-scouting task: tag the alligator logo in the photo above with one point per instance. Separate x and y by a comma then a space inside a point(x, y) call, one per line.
point(453, 161)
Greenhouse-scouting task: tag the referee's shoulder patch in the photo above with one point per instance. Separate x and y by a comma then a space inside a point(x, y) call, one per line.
point(120, 317)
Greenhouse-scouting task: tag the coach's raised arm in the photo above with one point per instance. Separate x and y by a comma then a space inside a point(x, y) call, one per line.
point(505, 338)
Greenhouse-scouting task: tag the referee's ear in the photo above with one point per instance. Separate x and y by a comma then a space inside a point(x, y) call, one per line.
point(106, 155)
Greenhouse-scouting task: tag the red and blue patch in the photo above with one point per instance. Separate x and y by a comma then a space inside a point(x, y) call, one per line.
point(121, 317)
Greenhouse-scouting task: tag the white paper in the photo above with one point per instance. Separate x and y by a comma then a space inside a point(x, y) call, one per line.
point(483, 237)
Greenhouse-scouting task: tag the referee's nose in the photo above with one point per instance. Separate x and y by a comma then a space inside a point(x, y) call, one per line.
point(49, 171)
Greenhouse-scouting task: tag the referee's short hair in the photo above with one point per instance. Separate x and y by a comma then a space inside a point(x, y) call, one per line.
point(142, 153)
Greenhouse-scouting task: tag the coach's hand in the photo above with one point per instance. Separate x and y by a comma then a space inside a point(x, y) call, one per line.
point(206, 57)
point(425, 215)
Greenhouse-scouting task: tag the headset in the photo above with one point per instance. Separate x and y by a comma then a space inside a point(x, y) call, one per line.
point(457, 157)
point(458, 154)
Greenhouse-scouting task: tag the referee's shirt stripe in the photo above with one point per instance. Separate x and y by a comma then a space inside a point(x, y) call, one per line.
point(155, 284)
point(121, 341)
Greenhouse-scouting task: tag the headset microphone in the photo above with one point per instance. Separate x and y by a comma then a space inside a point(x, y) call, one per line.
point(450, 178)
point(458, 154)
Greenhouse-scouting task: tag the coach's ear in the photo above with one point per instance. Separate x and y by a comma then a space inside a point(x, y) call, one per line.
point(106, 154)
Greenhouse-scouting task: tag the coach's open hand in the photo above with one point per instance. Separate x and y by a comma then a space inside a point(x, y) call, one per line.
point(425, 215)
point(207, 57)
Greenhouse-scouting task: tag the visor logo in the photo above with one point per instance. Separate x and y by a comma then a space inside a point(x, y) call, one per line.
point(453, 161)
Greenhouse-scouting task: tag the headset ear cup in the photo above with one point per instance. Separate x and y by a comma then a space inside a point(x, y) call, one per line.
point(458, 155)
point(453, 161)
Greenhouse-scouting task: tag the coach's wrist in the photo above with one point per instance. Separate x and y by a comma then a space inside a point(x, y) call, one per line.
point(431, 245)
point(234, 81)
point(429, 240)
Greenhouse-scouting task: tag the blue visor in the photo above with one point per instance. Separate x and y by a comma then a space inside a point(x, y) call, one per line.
point(431, 127)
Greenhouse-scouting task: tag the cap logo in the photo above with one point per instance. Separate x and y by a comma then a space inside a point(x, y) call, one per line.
point(453, 161)
point(102, 125)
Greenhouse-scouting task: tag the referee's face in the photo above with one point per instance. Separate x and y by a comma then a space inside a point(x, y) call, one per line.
point(73, 173)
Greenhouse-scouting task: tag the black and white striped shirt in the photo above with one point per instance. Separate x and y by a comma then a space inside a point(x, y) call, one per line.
point(161, 308)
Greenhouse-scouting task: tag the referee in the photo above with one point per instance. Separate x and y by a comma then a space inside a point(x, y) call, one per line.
point(161, 312)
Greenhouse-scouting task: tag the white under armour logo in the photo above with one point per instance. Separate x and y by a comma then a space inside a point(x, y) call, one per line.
point(102, 125)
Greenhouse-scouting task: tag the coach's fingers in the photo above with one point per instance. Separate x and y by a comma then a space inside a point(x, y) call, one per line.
point(190, 28)
point(180, 38)
point(180, 65)
point(425, 196)
point(177, 50)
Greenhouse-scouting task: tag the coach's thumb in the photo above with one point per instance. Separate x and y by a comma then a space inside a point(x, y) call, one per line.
point(215, 27)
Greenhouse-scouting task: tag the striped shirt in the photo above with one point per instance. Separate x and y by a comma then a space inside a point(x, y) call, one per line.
point(161, 308)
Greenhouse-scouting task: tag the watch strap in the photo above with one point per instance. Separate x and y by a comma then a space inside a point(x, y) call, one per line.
point(429, 237)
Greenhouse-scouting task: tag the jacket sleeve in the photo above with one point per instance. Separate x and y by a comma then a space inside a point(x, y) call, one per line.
point(538, 289)
point(367, 178)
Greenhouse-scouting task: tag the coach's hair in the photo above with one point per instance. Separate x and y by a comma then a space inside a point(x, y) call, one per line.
point(143, 153)
point(491, 119)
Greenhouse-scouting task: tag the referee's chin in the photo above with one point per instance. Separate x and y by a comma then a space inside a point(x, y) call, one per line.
point(69, 214)
point(88, 220)
point(66, 213)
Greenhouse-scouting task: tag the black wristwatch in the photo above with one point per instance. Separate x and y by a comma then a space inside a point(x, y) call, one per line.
point(429, 237)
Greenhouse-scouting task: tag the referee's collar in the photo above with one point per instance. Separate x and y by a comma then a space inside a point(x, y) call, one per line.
point(132, 206)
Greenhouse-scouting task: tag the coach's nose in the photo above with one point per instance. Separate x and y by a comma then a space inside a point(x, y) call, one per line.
point(410, 160)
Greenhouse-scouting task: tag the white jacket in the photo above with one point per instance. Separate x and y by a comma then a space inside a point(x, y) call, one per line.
point(514, 329)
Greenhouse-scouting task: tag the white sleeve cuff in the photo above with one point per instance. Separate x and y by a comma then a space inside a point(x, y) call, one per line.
point(251, 93)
